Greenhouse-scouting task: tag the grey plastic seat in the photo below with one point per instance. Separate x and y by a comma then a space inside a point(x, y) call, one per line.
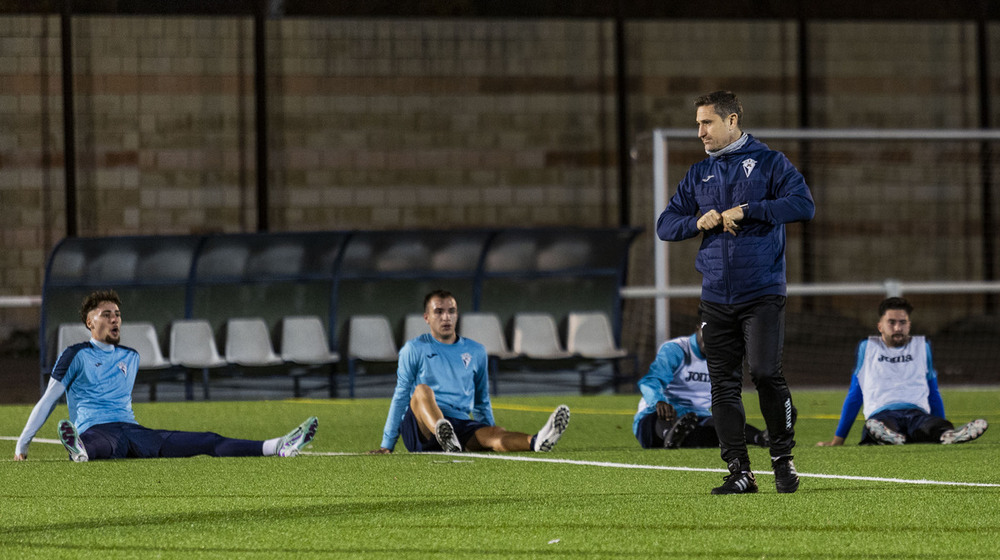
point(142, 337)
point(589, 335)
point(192, 346)
point(304, 343)
point(248, 343)
point(369, 339)
point(70, 334)
point(536, 336)
point(486, 329)
point(414, 325)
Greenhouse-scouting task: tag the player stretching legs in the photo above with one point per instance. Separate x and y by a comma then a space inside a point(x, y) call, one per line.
point(442, 380)
point(97, 378)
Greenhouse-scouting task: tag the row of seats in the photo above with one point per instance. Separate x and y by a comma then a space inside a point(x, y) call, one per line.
point(304, 343)
point(535, 336)
point(248, 343)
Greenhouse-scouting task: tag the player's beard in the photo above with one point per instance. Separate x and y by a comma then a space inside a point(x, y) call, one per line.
point(898, 340)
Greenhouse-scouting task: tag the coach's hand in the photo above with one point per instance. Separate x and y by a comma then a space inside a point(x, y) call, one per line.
point(380, 451)
point(20, 457)
point(837, 440)
point(730, 218)
point(709, 220)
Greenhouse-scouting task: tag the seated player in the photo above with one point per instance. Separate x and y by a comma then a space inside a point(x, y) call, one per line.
point(97, 378)
point(676, 399)
point(895, 381)
point(442, 401)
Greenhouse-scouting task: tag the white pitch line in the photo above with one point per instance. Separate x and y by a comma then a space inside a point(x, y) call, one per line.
point(605, 464)
point(39, 440)
point(693, 469)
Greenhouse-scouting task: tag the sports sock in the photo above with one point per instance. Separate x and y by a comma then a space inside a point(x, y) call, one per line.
point(271, 446)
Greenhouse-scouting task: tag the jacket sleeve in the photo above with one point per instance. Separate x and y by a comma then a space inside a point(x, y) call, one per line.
point(679, 220)
point(789, 200)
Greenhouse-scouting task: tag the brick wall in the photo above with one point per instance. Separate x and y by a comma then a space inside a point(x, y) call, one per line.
point(413, 123)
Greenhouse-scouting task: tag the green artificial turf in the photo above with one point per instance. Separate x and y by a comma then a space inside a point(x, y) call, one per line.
point(595, 496)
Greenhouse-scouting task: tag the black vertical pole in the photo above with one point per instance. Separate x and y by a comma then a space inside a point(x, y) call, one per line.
point(260, 106)
point(808, 254)
point(621, 107)
point(69, 127)
point(985, 157)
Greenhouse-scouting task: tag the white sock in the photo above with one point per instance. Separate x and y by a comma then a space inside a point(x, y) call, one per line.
point(271, 446)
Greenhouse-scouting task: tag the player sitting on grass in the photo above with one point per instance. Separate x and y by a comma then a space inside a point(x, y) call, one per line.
point(441, 380)
point(895, 380)
point(675, 409)
point(97, 377)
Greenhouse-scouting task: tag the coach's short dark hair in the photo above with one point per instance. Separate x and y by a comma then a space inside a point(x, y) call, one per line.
point(443, 294)
point(91, 302)
point(894, 303)
point(726, 103)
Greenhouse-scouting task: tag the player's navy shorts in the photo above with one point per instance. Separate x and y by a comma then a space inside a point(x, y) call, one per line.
point(414, 441)
point(917, 425)
point(121, 440)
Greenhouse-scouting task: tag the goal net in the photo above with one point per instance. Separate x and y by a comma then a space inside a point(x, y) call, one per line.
point(898, 212)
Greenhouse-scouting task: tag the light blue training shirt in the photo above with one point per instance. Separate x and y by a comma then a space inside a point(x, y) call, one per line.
point(457, 373)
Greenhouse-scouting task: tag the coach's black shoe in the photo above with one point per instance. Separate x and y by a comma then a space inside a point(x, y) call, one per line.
point(739, 481)
point(681, 429)
point(786, 480)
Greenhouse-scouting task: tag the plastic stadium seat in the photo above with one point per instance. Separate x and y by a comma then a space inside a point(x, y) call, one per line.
point(248, 343)
point(70, 334)
point(486, 329)
point(369, 339)
point(192, 345)
point(536, 336)
point(304, 342)
point(414, 326)
point(589, 335)
point(142, 337)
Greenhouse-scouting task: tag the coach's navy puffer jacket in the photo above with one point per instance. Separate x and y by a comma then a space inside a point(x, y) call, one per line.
point(737, 269)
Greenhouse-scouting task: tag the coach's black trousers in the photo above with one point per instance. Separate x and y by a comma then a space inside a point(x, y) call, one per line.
point(754, 331)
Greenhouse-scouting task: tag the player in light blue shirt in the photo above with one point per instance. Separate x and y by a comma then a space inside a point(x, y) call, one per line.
point(442, 401)
point(97, 378)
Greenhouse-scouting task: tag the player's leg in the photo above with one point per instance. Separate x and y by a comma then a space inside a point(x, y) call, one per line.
point(495, 438)
point(703, 435)
point(431, 421)
point(884, 428)
point(103, 441)
point(149, 443)
point(650, 430)
point(924, 428)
